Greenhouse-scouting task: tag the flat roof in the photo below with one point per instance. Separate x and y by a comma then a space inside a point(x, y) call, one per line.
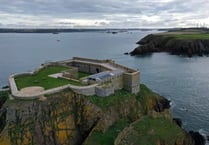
point(105, 75)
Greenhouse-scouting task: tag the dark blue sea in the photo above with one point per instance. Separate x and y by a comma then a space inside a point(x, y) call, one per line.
point(185, 81)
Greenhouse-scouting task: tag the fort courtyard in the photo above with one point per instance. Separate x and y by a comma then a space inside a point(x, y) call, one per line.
point(82, 75)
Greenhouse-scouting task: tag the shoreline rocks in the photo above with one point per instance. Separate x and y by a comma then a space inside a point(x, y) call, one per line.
point(178, 121)
point(198, 138)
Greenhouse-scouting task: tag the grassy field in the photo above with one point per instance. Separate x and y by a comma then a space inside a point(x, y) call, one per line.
point(4, 95)
point(189, 36)
point(82, 74)
point(107, 138)
point(149, 130)
point(42, 79)
point(105, 102)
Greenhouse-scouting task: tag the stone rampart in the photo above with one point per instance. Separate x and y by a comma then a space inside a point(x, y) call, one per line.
point(104, 91)
point(126, 69)
point(84, 90)
point(90, 68)
point(93, 60)
point(131, 82)
point(129, 79)
point(116, 81)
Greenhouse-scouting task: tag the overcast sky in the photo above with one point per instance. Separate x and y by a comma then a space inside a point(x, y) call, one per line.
point(104, 13)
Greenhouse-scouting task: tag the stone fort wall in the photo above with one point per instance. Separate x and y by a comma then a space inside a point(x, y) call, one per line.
point(129, 80)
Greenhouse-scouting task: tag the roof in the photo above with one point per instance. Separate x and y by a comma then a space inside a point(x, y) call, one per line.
point(104, 75)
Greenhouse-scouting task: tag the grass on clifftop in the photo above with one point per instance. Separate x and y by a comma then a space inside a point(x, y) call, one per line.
point(108, 138)
point(151, 131)
point(189, 36)
point(42, 79)
point(147, 98)
point(4, 93)
point(105, 102)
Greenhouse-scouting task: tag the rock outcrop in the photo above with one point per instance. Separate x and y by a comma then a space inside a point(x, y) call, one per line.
point(178, 121)
point(198, 138)
point(171, 44)
point(72, 119)
point(153, 131)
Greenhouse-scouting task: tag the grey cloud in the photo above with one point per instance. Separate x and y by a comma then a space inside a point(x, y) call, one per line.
point(66, 7)
point(118, 12)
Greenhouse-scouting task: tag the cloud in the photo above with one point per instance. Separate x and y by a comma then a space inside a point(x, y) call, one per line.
point(103, 13)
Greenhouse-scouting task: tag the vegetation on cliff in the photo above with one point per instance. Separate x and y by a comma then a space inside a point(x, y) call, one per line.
point(157, 130)
point(151, 106)
point(4, 95)
point(178, 43)
point(72, 119)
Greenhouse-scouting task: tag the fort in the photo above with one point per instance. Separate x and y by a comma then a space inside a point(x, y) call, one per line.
point(104, 77)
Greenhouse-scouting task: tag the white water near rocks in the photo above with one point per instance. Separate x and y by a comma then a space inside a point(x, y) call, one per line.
point(185, 81)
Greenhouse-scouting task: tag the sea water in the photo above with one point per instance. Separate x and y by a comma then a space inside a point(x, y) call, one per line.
point(185, 81)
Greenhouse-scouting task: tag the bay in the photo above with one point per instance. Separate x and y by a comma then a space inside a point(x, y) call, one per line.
point(185, 81)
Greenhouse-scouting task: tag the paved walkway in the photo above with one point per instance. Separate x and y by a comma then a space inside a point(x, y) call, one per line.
point(57, 75)
point(34, 90)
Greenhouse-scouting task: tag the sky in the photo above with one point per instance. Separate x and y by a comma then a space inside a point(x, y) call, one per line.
point(103, 13)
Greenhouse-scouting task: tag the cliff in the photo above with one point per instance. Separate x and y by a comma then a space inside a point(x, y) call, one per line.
point(187, 44)
point(72, 119)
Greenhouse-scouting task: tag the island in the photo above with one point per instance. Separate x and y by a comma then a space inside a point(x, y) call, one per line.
point(185, 42)
point(84, 101)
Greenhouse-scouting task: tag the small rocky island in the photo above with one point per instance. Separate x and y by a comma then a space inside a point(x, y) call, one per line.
point(186, 42)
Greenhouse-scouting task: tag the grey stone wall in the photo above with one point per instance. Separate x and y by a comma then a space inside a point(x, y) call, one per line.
point(90, 68)
point(117, 82)
point(71, 73)
point(104, 91)
point(82, 67)
point(131, 82)
point(84, 90)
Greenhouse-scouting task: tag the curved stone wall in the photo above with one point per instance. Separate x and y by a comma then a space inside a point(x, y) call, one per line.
point(84, 90)
point(128, 80)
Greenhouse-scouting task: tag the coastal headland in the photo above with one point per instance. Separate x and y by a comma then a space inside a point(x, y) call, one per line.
point(127, 115)
point(186, 42)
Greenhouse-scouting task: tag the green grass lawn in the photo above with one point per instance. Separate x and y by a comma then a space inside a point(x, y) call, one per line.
point(4, 93)
point(105, 102)
point(108, 138)
point(147, 98)
point(82, 74)
point(42, 79)
point(189, 36)
point(149, 130)
point(146, 131)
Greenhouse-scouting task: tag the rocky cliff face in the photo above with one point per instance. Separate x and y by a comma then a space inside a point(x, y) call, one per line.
point(165, 43)
point(67, 118)
point(64, 118)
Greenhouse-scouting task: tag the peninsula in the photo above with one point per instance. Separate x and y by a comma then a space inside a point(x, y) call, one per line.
point(186, 42)
point(84, 101)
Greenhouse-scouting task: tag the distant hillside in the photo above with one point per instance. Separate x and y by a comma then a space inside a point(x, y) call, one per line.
point(44, 30)
point(62, 30)
point(187, 42)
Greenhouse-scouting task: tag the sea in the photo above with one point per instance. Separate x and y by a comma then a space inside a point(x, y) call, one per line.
point(182, 80)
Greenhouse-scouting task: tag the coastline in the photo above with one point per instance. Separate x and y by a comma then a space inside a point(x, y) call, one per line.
point(153, 105)
point(177, 43)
